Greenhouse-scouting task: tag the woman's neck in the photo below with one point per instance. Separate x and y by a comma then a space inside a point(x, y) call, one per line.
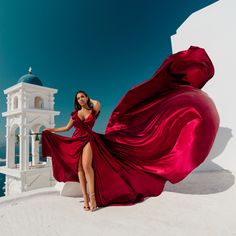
point(85, 107)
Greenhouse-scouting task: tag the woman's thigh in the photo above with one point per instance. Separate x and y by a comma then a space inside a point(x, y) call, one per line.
point(80, 167)
point(87, 156)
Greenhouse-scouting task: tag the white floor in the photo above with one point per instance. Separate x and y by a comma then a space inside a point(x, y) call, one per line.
point(202, 204)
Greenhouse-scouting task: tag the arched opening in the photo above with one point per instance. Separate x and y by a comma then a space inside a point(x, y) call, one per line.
point(35, 147)
point(38, 102)
point(17, 147)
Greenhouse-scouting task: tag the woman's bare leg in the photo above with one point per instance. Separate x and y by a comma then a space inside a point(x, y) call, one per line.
point(83, 184)
point(87, 158)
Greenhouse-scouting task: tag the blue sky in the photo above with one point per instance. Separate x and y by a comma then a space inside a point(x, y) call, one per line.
point(104, 47)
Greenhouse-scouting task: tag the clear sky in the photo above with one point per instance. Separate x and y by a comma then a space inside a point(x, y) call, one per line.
point(104, 47)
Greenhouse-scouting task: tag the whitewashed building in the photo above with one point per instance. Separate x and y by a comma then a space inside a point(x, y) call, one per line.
point(30, 108)
point(213, 28)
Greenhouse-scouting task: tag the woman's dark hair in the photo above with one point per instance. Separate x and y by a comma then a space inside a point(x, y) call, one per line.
point(76, 104)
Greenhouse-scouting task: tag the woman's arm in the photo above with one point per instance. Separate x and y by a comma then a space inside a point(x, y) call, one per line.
point(62, 129)
point(96, 105)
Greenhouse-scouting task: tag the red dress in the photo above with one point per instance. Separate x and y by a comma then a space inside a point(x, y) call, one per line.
point(161, 130)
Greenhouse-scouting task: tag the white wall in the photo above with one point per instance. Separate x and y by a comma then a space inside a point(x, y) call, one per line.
point(213, 28)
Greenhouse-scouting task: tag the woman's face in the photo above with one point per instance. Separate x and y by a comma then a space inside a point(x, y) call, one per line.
point(82, 99)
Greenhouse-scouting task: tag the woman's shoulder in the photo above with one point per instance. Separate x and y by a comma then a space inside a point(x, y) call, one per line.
point(74, 114)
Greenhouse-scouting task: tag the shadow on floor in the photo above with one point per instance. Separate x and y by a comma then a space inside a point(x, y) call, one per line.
point(208, 178)
point(203, 183)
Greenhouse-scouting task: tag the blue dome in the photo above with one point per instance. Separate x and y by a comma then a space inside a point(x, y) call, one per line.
point(31, 79)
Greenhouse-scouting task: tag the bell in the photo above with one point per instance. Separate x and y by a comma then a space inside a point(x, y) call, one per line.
point(17, 139)
point(37, 137)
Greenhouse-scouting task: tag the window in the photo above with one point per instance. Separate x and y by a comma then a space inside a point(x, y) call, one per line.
point(38, 102)
point(15, 102)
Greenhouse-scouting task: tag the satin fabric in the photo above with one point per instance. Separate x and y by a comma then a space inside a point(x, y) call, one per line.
point(160, 131)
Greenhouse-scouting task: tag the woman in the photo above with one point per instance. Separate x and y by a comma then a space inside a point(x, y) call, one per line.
point(84, 107)
point(160, 131)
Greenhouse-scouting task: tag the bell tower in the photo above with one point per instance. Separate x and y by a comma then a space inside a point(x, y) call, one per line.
point(30, 108)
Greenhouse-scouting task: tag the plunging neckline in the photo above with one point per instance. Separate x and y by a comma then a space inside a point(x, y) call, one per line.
point(85, 118)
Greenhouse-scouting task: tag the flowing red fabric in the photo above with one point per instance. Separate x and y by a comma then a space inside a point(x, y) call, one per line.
point(160, 131)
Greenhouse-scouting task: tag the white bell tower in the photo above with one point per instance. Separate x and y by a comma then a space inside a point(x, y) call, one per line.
point(30, 108)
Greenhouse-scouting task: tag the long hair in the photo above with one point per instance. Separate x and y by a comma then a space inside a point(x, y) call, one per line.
point(76, 104)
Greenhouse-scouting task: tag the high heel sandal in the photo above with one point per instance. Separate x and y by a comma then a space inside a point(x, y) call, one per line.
point(87, 208)
point(93, 208)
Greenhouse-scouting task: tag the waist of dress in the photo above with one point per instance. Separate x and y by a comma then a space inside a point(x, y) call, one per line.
point(84, 127)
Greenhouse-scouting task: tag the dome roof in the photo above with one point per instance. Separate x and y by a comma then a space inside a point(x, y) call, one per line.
point(30, 78)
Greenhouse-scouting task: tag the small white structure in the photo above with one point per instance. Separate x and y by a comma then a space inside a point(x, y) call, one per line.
point(30, 107)
point(212, 28)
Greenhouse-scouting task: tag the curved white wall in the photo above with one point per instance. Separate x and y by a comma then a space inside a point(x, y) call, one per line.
point(213, 28)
